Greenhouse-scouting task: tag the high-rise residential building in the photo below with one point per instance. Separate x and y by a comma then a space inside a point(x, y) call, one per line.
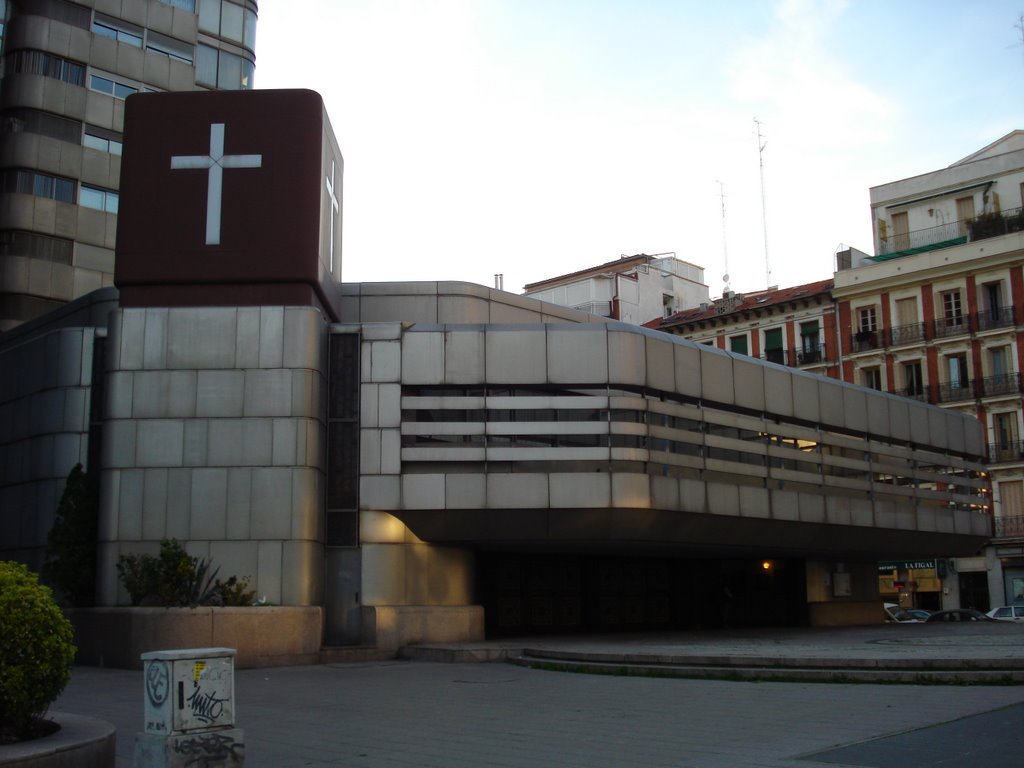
point(67, 67)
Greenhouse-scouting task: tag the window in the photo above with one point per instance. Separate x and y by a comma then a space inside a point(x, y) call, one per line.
point(228, 20)
point(994, 314)
point(952, 320)
point(220, 69)
point(39, 184)
point(36, 246)
point(913, 383)
point(119, 90)
point(168, 46)
point(1011, 499)
point(63, 11)
point(872, 378)
point(810, 348)
point(102, 139)
point(865, 336)
point(98, 198)
point(907, 329)
point(951, 309)
point(42, 123)
point(964, 213)
point(1004, 427)
point(866, 319)
point(46, 64)
point(773, 351)
point(117, 29)
point(998, 359)
point(185, 5)
point(738, 344)
point(957, 366)
point(900, 231)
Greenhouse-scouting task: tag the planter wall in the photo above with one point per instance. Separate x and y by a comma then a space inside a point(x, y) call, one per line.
point(81, 742)
point(269, 636)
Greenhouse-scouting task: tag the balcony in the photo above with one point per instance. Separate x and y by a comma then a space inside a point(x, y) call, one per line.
point(954, 233)
point(951, 326)
point(1006, 384)
point(1009, 527)
point(997, 317)
point(941, 328)
point(1006, 451)
point(952, 391)
point(865, 341)
point(811, 355)
point(906, 334)
point(794, 358)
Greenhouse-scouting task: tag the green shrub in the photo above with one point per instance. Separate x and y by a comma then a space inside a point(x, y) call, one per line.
point(71, 552)
point(36, 651)
point(175, 578)
point(236, 591)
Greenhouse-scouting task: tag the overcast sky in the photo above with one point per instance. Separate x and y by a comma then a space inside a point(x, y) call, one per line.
point(533, 138)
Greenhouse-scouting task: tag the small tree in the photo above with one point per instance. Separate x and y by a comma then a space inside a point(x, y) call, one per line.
point(36, 652)
point(175, 578)
point(71, 552)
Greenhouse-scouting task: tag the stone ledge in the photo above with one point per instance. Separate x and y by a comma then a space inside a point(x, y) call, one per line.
point(262, 636)
point(81, 742)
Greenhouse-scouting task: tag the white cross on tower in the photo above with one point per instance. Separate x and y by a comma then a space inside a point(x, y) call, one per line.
point(216, 162)
point(334, 207)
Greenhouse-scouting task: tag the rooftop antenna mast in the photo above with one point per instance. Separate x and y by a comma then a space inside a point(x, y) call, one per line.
point(761, 144)
point(725, 250)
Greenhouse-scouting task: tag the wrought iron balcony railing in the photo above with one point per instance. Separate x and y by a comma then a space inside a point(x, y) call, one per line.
point(1006, 384)
point(1006, 451)
point(953, 233)
point(951, 326)
point(1009, 527)
point(906, 334)
point(997, 317)
point(811, 355)
point(864, 341)
point(951, 391)
point(793, 358)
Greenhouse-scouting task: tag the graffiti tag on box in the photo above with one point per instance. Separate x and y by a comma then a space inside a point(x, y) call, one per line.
point(206, 750)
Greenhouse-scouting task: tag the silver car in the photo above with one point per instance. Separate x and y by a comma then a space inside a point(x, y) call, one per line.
point(1007, 613)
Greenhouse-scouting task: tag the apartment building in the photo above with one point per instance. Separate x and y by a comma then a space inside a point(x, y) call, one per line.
point(68, 66)
point(935, 315)
point(795, 327)
point(632, 289)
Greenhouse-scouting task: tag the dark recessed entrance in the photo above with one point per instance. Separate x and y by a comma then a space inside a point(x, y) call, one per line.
point(554, 594)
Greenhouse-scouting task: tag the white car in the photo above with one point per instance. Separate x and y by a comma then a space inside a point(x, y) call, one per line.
point(1007, 613)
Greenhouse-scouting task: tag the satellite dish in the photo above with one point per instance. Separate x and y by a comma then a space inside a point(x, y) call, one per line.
point(725, 278)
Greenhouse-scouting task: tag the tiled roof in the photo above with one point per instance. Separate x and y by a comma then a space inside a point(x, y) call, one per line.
point(743, 303)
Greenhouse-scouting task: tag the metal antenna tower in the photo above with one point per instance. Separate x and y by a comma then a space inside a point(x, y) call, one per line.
point(761, 144)
point(725, 249)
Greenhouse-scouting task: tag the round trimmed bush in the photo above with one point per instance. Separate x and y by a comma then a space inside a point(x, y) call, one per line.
point(36, 651)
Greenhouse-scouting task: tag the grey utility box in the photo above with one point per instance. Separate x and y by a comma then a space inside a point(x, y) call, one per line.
point(189, 710)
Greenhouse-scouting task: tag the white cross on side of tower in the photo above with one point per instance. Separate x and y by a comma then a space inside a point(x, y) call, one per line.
point(334, 207)
point(215, 162)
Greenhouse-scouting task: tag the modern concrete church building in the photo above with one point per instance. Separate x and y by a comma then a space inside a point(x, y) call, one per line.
point(418, 460)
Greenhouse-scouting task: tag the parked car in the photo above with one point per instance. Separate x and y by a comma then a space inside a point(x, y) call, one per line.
point(959, 614)
point(1007, 613)
point(919, 613)
point(896, 615)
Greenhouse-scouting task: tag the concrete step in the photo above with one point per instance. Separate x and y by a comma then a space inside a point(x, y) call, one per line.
point(907, 671)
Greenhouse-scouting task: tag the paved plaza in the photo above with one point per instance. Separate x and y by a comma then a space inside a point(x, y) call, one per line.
point(420, 713)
